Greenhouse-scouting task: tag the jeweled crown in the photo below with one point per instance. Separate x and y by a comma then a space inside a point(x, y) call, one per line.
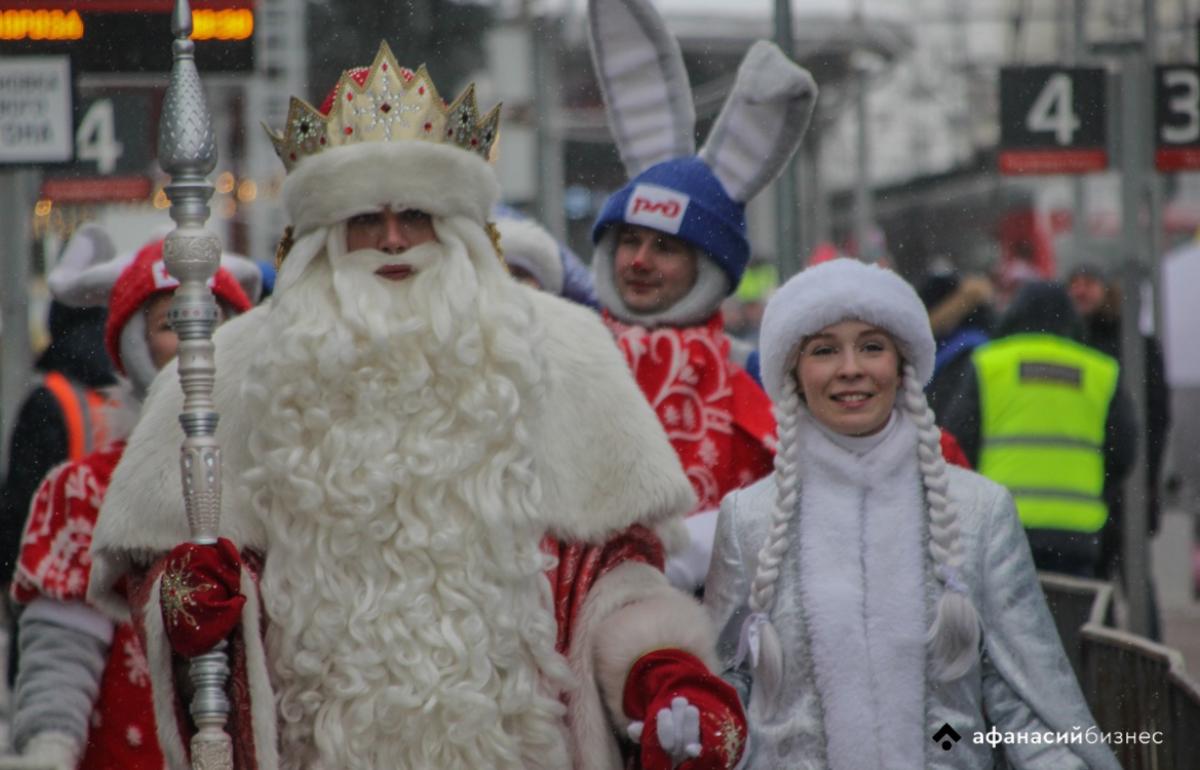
point(385, 103)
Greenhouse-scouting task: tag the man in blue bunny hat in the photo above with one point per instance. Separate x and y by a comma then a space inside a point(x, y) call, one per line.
point(671, 244)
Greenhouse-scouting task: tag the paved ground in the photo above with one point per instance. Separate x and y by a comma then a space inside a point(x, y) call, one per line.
point(1171, 555)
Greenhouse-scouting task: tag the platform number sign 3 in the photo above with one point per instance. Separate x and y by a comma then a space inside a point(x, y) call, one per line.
point(1177, 117)
point(1052, 120)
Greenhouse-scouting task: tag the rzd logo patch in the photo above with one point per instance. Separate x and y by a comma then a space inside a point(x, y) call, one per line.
point(656, 207)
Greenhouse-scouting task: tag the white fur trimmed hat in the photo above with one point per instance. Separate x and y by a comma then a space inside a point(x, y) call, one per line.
point(529, 246)
point(841, 290)
point(90, 273)
point(385, 137)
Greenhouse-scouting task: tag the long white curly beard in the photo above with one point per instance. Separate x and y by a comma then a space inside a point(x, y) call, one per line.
point(410, 621)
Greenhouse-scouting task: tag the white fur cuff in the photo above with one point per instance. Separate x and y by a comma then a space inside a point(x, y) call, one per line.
point(664, 619)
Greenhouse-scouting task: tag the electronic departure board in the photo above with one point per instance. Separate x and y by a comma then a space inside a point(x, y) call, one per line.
point(128, 35)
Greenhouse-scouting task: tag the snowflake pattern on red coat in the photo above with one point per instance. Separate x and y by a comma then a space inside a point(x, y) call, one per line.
point(717, 418)
point(54, 560)
point(54, 564)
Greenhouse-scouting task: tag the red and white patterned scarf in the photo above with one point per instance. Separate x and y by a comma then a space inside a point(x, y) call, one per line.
point(717, 418)
point(54, 563)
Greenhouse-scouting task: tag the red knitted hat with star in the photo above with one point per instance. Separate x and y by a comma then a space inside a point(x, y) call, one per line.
point(147, 275)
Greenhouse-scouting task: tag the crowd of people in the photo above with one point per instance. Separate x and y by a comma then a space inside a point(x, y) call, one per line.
point(482, 507)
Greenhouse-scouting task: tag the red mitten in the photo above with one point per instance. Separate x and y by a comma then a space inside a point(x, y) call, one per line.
point(200, 596)
point(670, 690)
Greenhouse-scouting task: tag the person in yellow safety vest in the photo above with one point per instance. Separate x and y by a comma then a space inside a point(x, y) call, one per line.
point(1050, 419)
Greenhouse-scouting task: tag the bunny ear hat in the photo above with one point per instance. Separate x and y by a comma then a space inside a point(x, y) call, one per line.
point(698, 197)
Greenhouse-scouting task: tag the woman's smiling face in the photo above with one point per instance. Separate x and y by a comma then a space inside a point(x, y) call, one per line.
point(849, 373)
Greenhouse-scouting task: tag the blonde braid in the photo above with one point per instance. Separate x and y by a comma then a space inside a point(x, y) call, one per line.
point(762, 590)
point(767, 653)
point(953, 637)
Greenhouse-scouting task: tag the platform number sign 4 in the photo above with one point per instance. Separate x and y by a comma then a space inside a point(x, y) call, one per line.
point(113, 136)
point(113, 133)
point(96, 138)
point(1177, 117)
point(1052, 120)
point(1053, 111)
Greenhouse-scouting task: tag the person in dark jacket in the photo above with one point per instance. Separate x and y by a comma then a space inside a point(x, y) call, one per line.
point(1051, 419)
point(1097, 299)
point(960, 314)
point(57, 416)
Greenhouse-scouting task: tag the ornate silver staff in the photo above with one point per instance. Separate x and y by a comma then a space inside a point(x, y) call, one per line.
point(192, 253)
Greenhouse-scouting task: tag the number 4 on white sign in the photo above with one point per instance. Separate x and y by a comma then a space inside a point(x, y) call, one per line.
point(1053, 110)
point(96, 138)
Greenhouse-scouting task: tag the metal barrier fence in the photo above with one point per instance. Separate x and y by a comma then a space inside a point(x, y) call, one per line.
point(1134, 687)
point(1137, 686)
point(1075, 602)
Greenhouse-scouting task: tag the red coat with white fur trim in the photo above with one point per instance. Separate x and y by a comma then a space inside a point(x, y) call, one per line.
point(590, 494)
point(54, 564)
point(612, 606)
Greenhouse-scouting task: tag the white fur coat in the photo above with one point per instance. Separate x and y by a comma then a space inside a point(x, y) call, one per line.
point(605, 462)
point(883, 713)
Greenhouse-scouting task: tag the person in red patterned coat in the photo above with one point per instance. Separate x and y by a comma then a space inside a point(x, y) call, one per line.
point(443, 495)
point(672, 244)
point(82, 697)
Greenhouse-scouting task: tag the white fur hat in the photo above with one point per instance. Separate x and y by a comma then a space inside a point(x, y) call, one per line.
point(385, 137)
point(529, 246)
point(840, 290)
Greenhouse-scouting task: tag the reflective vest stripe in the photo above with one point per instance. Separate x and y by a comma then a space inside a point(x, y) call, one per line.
point(72, 408)
point(81, 408)
point(1044, 405)
point(1061, 494)
point(1070, 443)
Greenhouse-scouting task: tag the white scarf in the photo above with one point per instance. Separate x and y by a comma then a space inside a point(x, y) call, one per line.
point(862, 531)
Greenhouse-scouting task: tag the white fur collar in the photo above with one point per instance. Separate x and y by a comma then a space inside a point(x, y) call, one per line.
point(603, 457)
point(861, 530)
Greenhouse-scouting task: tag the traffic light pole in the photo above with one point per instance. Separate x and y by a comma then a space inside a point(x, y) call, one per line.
point(1137, 265)
point(787, 213)
point(1134, 273)
point(1079, 225)
point(18, 188)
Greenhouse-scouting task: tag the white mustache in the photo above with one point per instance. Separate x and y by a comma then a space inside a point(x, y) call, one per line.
point(369, 260)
